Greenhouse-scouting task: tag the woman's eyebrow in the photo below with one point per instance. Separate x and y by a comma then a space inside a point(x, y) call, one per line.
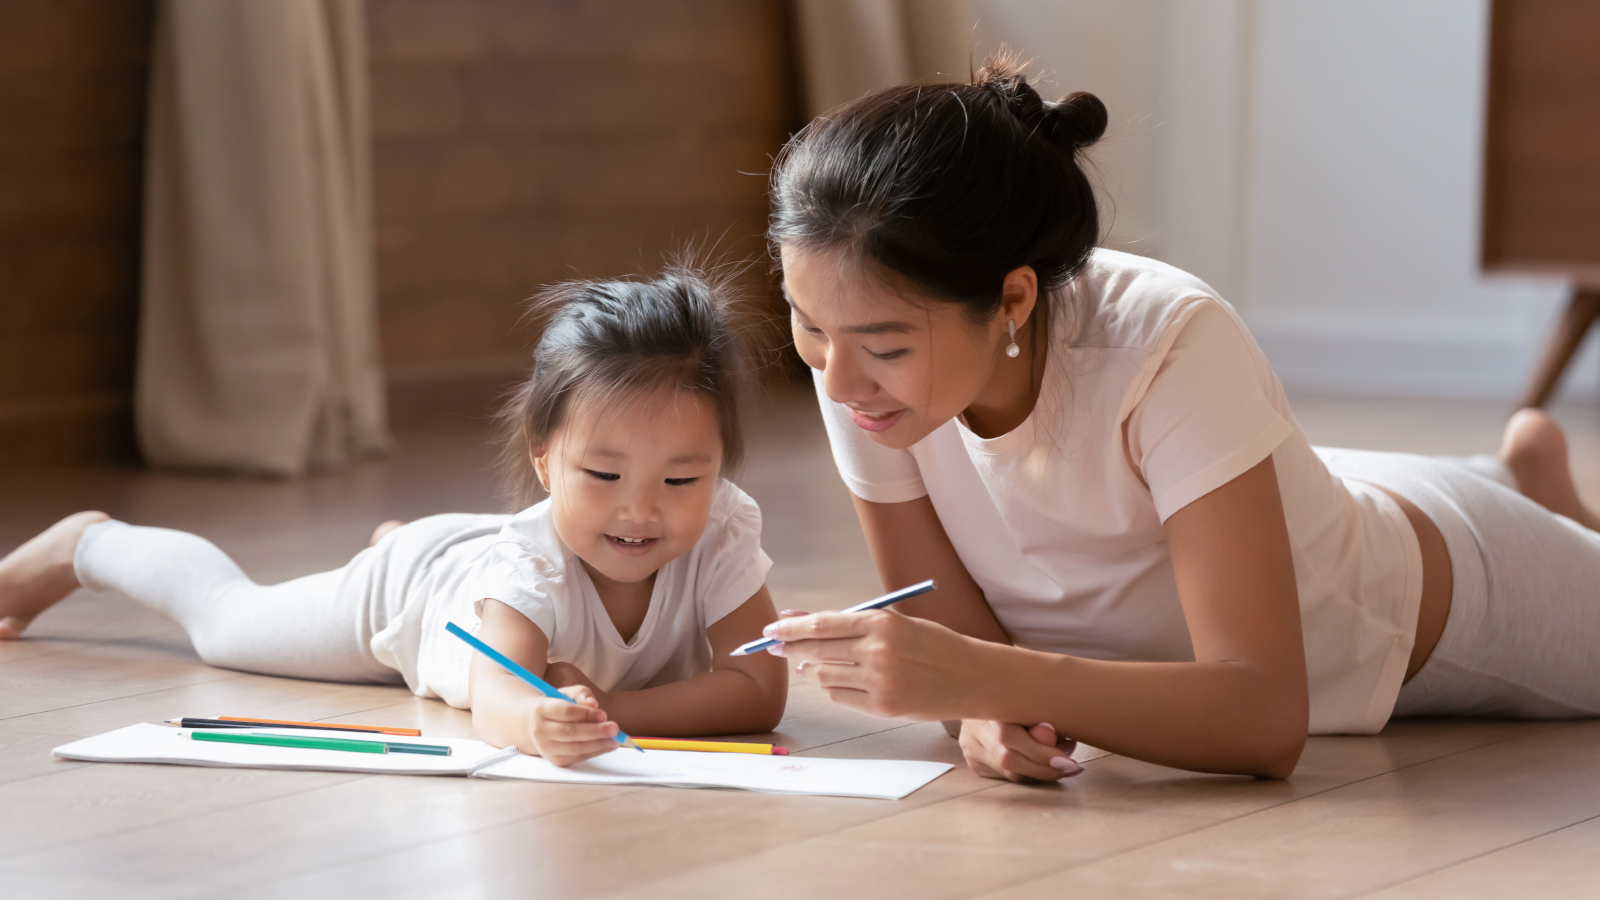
point(869, 328)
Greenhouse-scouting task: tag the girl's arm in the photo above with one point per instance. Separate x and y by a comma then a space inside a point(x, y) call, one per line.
point(1241, 707)
point(506, 712)
point(740, 695)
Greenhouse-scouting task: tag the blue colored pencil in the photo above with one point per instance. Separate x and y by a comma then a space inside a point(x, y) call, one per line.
point(889, 599)
point(505, 663)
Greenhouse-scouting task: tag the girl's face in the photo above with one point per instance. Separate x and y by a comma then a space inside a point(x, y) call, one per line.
point(903, 368)
point(631, 484)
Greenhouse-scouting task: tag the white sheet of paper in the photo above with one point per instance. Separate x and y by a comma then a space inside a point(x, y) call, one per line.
point(148, 743)
point(885, 779)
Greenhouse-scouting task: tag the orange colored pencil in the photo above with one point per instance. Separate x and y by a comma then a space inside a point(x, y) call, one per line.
point(413, 732)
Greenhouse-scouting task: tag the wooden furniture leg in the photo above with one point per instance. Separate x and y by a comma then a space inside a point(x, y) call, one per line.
point(1581, 313)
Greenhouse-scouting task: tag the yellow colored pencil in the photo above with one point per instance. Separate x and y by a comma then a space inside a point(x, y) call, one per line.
point(710, 746)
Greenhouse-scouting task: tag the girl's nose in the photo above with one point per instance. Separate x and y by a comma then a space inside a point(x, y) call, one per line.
point(642, 504)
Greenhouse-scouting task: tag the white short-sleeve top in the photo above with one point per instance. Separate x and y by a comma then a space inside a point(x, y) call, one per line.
point(527, 566)
point(1160, 398)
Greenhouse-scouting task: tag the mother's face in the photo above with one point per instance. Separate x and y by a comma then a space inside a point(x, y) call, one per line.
point(903, 365)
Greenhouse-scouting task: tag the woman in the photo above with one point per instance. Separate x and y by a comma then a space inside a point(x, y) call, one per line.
point(1134, 541)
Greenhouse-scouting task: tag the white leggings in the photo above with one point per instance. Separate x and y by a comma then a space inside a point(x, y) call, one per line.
point(319, 626)
point(1523, 636)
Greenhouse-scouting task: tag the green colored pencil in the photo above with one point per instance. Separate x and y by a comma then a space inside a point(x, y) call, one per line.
point(316, 743)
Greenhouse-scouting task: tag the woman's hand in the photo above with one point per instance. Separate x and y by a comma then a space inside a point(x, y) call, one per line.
point(566, 733)
point(884, 663)
point(1004, 750)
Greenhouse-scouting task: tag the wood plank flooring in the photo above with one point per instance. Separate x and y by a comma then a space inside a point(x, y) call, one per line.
point(1428, 809)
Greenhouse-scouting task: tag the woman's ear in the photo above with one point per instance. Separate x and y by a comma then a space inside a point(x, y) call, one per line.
point(1019, 294)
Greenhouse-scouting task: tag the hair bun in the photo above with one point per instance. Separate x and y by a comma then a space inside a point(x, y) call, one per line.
point(1072, 123)
point(1077, 120)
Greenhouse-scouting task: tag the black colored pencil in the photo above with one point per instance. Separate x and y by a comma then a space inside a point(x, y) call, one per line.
point(220, 723)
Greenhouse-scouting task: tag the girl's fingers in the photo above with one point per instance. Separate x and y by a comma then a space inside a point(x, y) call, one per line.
point(568, 754)
point(581, 695)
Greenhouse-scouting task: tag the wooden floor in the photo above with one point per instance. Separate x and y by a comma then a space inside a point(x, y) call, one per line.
point(1442, 809)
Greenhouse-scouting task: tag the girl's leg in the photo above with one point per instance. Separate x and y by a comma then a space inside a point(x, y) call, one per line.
point(37, 575)
point(318, 627)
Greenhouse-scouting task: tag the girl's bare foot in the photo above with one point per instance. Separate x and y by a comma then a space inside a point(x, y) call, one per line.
point(383, 529)
point(1535, 450)
point(36, 575)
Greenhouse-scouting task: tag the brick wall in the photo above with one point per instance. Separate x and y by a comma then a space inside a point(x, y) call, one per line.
point(72, 100)
point(519, 143)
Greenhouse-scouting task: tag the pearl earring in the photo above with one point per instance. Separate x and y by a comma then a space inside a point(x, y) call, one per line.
point(1012, 349)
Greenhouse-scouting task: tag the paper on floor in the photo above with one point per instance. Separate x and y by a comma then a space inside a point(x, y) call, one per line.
point(888, 779)
point(885, 779)
point(163, 744)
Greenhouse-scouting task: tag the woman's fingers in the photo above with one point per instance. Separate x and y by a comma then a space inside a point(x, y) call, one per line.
point(1013, 752)
point(824, 626)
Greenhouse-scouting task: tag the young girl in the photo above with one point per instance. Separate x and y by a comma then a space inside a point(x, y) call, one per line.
point(627, 587)
point(1135, 543)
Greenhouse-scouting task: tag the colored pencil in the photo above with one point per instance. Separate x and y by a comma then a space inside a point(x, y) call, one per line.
point(289, 723)
point(888, 599)
point(316, 743)
point(189, 722)
point(710, 746)
point(506, 663)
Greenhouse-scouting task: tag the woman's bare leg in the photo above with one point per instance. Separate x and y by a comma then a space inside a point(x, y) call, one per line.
point(39, 574)
point(1535, 450)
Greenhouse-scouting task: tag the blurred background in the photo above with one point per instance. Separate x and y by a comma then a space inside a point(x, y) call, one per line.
point(283, 236)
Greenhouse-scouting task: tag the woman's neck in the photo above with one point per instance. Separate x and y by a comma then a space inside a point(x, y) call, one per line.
point(1013, 390)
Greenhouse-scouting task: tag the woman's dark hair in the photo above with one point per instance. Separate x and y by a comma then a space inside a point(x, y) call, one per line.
point(948, 186)
point(612, 341)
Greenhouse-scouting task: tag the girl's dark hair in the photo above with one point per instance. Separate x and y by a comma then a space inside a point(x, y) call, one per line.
point(948, 186)
point(612, 341)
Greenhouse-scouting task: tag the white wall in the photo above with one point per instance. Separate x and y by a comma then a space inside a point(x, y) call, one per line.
point(1317, 161)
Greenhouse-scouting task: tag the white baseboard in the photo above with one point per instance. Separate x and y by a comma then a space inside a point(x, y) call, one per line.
point(1482, 359)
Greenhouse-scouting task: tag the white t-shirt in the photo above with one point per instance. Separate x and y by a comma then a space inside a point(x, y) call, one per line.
point(526, 566)
point(1164, 398)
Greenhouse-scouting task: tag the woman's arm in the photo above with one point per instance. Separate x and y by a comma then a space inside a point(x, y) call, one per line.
point(740, 695)
point(1241, 707)
point(909, 544)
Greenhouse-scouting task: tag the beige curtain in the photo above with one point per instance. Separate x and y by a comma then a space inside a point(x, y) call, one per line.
point(852, 47)
point(258, 328)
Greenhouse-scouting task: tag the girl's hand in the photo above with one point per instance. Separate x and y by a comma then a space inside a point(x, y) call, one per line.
point(567, 733)
point(882, 662)
point(1004, 750)
point(565, 675)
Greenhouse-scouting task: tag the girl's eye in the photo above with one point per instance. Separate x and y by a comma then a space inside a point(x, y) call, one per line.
point(680, 482)
point(603, 476)
point(811, 330)
point(892, 354)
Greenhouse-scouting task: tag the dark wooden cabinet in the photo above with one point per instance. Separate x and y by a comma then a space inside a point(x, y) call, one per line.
point(1541, 196)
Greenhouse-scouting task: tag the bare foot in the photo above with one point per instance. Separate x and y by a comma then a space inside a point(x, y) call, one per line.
point(383, 529)
point(36, 575)
point(1535, 450)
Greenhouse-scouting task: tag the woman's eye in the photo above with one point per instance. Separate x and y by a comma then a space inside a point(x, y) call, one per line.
point(892, 354)
point(811, 330)
point(603, 476)
point(679, 482)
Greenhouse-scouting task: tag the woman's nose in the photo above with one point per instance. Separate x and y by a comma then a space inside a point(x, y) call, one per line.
point(843, 380)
